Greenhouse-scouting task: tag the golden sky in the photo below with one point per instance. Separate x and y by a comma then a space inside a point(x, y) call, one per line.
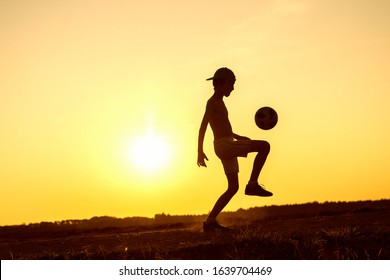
point(82, 82)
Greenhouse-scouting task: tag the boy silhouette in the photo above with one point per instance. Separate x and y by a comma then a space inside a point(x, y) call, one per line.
point(228, 146)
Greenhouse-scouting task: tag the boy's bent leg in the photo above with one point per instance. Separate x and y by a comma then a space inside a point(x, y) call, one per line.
point(262, 148)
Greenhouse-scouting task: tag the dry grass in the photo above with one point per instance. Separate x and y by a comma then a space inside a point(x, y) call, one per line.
point(361, 235)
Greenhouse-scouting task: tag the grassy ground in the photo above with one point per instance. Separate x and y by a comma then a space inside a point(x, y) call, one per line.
point(362, 234)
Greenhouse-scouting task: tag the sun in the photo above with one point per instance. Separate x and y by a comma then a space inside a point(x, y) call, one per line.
point(150, 152)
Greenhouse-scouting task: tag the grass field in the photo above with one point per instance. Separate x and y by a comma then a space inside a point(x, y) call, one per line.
point(358, 233)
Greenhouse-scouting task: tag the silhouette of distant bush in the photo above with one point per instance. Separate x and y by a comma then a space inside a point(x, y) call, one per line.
point(239, 217)
point(329, 230)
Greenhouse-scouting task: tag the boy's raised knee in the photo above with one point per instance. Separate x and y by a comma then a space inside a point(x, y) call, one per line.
point(260, 146)
point(267, 147)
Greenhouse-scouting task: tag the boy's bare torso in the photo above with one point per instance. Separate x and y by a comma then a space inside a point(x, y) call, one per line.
point(218, 118)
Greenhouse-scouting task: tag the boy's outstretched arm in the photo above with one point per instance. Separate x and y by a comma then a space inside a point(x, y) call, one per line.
point(202, 132)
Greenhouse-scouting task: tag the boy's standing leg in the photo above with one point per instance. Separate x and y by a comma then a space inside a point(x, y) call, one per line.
point(233, 185)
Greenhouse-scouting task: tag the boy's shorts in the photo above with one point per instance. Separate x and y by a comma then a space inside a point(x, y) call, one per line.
point(228, 149)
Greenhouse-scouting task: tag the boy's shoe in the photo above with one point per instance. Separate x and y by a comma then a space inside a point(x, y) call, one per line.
point(256, 189)
point(213, 227)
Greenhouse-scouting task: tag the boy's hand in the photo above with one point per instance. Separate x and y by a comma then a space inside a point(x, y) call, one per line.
point(239, 137)
point(201, 158)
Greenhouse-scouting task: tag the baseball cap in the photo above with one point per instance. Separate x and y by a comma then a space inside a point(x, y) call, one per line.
point(223, 73)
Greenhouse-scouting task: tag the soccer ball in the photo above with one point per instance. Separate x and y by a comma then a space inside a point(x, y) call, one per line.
point(266, 118)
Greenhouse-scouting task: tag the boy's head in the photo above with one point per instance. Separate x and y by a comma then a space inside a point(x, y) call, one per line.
point(223, 81)
point(221, 76)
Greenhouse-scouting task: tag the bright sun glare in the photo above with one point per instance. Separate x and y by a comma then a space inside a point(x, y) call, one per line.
point(150, 152)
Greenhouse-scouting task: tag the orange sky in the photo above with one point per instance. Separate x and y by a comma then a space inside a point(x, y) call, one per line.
point(80, 81)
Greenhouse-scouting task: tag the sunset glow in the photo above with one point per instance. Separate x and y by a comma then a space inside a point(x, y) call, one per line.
point(101, 103)
point(150, 152)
